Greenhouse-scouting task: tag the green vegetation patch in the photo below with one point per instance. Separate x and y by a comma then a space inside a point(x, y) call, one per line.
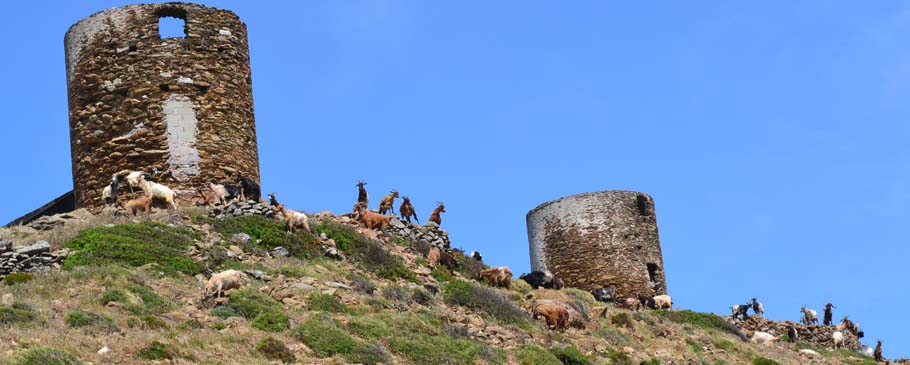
point(134, 245)
point(249, 303)
point(80, 318)
point(17, 278)
point(152, 303)
point(327, 303)
point(158, 351)
point(536, 355)
point(273, 349)
point(271, 321)
point(44, 356)
point(703, 320)
point(324, 337)
point(484, 299)
point(570, 355)
point(763, 361)
point(17, 313)
point(369, 253)
point(653, 361)
point(268, 233)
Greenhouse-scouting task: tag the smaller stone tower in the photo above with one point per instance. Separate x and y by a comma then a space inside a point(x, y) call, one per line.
point(596, 239)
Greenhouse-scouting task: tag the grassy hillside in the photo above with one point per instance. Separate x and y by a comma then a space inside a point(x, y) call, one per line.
point(135, 288)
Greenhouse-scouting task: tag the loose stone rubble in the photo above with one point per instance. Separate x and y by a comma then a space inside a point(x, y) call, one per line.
point(36, 257)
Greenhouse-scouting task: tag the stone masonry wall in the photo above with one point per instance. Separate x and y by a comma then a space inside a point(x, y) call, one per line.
point(181, 105)
point(596, 239)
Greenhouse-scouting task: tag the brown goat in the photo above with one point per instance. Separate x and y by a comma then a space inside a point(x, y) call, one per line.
point(369, 219)
point(388, 203)
point(434, 216)
point(362, 196)
point(433, 256)
point(143, 204)
point(498, 276)
point(407, 210)
point(557, 316)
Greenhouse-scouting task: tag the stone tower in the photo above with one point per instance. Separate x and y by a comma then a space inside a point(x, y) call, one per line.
point(596, 239)
point(137, 101)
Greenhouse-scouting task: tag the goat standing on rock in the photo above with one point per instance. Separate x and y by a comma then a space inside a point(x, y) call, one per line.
point(810, 316)
point(362, 196)
point(110, 192)
point(407, 210)
point(388, 203)
point(294, 219)
point(757, 308)
point(434, 216)
point(156, 190)
point(370, 219)
point(828, 314)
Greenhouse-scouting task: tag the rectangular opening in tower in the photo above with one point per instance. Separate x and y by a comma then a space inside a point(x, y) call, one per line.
point(180, 119)
point(171, 23)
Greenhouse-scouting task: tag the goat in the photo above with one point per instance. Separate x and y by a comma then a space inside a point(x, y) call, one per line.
point(110, 192)
point(220, 191)
point(407, 210)
point(838, 338)
point(537, 278)
point(434, 216)
point(810, 316)
point(762, 338)
point(828, 314)
point(294, 219)
point(249, 188)
point(632, 304)
point(433, 256)
point(757, 308)
point(878, 352)
point(741, 311)
point(557, 316)
point(370, 219)
point(221, 282)
point(388, 203)
point(646, 301)
point(605, 294)
point(792, 334)
point(142, 204)
point(847, 324)
point(476, 256)
point(498, 276)
point(663, 301)
point(557, 284)
point(273, 202)
point(132, 179)
point(362, 196)
point(156, 190)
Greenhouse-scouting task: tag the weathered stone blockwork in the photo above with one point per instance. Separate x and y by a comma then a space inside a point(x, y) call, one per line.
point(180, 105)
point(593, 239)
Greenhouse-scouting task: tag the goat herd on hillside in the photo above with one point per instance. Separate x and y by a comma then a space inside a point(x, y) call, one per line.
point(555, 315)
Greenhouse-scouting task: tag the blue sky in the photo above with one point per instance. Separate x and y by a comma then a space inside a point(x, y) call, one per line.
point(772, 136)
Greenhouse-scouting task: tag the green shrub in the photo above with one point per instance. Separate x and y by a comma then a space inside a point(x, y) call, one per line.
point(570, 355)
point(396, 294)
point(653, 361)
point(535, 355)
point(224, 312)
point(324, 337)
point(763, 361)
point(17, 313)
point(422, 296)
point(618, 357)
point(17, 278)
point(613, 336)
point(79, 318)
point(369, 253)
point(271, 321)
point(703, 320)
point(361, 283)
point(327, 303)
point(622, 320)
point(369, 355)
point(441, 274)
point(723, 343)
point(114, 295)
point(191, 324)
point(467, 266)
point(158, 351)
point(44, 356)
point(152, 322)
point(273, 349)
point(695, 347)
point(268, 233)
point(134, 245)
point(487, 300)
point(249, 303)
point(152, 303)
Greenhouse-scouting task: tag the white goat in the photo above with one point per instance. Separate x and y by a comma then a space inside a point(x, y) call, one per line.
point(810, 316)
point(220, 191)
point(132, 179)
point(221, 282)
point(156, 190)
point(838, 338)
point(663, 301)
point(294, 219)
point(763, 338)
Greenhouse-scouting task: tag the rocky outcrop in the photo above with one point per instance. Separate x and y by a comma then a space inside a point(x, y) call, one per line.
point(820, 335)
point(430, 232)
point(238, 208)
point(30, 258)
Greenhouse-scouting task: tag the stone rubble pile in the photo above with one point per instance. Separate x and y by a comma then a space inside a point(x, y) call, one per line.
point(429, 232)
point(59, 220)
point(27, 259)
point(820, 335)
point(238, 208)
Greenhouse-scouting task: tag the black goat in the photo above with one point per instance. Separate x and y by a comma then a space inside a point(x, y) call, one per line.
point(249, 189)
point(647, 302)
point(828, 314)
point(792, 335)
point(605, 294)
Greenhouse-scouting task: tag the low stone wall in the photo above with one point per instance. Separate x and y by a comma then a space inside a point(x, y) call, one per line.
point(819, 335)
point(31, 258)
point(430, 232)
point(238, 208)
